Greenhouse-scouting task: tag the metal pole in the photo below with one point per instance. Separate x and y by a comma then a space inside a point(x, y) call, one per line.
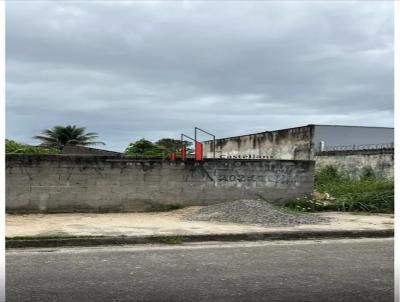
point(213, 136)
point(195, 140)
point(184, 135)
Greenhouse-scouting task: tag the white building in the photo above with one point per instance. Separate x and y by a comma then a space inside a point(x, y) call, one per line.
point(300, 142)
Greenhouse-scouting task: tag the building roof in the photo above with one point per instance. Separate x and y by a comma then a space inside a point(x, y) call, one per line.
point(309, 125)
point(350, 126)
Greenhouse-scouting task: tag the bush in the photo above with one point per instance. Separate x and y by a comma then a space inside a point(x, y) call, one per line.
point(367, 194)
point(170, 144)
point(367, 173)
point(306, 205)
point(145, 148)
point(160, 149)
point(326, 175)
point(14, 147)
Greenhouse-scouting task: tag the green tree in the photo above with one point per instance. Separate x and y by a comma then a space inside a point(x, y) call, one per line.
point(15, 147)
point(170, 144)
point(71, 135)
point(144, 147)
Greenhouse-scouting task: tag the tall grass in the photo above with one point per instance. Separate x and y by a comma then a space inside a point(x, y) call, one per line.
point(366, 194)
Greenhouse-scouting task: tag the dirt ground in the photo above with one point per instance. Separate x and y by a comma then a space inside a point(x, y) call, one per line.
point(169, 223)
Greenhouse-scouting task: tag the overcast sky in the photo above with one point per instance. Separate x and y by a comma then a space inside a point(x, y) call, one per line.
point(128, 70)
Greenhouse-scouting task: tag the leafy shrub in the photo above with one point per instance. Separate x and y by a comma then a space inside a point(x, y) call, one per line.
point(160, 149)
point(145, 148)
point(367, 173)
point(170, 144)
point(306, 205)
point(367, 194)
point(326, 175)
point(15, 147)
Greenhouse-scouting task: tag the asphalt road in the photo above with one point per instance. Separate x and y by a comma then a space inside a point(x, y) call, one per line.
point(296, 271)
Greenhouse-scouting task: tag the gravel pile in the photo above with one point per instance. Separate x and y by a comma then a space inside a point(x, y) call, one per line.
point(257, 212)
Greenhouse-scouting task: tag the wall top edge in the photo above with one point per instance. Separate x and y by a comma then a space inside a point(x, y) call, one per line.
point(116, 159)
point(260, 133)
point(355, 152)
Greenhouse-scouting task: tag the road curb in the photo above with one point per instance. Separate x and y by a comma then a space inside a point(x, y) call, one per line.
point(168, 239)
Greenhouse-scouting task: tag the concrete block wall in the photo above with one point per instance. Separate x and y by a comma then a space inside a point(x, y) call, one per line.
point(355, 162)
point(292, 143)
point(83, 150)
point(62, 183)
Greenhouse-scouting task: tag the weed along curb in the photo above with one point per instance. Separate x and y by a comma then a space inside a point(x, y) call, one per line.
point(32, 242)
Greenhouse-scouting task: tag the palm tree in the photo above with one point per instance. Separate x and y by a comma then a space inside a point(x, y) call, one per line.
point(71, 135)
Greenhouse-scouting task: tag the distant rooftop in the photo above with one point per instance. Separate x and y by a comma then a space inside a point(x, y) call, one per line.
point(268, 131)
point(349, 126)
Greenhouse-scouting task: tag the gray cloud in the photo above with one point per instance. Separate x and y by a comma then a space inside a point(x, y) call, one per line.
point(134, 69)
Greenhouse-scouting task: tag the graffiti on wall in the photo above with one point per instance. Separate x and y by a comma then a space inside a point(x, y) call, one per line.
point(274, 174)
